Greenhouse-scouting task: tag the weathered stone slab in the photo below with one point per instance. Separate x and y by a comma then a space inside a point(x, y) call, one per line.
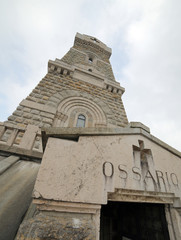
point(72, 173)
point(85, 171)
point(55, 226)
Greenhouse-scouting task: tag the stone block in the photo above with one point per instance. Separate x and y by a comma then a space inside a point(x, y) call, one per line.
point(41, 101)
point(46, 125)
point(36, 90)
point(6, 135)
point(25, 109)
point(19, 120)
point(27, 115)
point(11, 118)
point(37, 118)
point(21, 125)
point(48, 115)
point(17, 113)
point(47, 120)
point(45, 98)
point(28, 121)
point(19, 108)
point(35, 112)
point(58, 226)
point(55, 100)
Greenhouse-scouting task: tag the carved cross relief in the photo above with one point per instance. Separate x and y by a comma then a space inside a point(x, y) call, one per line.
point(143, 160)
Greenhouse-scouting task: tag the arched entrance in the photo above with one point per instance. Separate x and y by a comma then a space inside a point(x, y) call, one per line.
point(133, 221)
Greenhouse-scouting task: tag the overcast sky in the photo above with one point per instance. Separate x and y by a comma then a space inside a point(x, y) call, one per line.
point(145, 37)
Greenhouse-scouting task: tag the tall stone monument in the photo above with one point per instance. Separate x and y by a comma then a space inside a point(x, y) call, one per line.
point(101, 177)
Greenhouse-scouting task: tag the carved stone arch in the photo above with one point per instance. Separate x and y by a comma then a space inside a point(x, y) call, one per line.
point(69, 101)
point(55, 100)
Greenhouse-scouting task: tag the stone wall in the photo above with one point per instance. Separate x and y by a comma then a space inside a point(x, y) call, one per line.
point(41, 105)
point(52, 225)
point(83, 75)
point(76, 57)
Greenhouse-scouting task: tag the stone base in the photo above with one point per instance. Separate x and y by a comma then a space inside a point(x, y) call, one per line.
point(53, 226)
point(68, 223)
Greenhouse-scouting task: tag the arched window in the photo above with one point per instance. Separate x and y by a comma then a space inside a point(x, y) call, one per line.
point(81, 121)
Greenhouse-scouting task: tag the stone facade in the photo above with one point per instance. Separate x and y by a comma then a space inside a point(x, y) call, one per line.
point(89, 174)
point(84, 74)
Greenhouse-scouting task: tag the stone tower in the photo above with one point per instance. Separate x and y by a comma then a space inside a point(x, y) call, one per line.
point(78, 90)
point(82, 82)
point(72, 167)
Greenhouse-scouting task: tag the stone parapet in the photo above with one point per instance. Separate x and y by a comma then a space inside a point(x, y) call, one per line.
point(21, 141)
point(75, 133)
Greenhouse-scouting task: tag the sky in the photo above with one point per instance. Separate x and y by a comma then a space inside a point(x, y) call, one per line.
point(145, 37)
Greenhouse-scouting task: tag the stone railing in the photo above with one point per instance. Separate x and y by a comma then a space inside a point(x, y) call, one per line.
point(62, 69)
point(25, 141)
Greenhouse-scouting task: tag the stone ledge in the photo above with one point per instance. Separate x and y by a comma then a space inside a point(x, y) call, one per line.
point(126, 195)
point(75, 133)
point(24, 153)
point(84, 75)
point(47, 205)
point(59, 67)
point(37, 106)
point(139, 125)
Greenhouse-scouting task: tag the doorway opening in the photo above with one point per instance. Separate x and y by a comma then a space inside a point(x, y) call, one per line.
point(133, 221)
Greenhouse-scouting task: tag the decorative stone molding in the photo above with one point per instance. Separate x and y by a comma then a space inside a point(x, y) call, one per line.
point(26, 140)
point(113, 87)
point(73, 93)
point(62, 69)
point(47, 205)
point(72, 103)
point(82, 73)
point(122, 195)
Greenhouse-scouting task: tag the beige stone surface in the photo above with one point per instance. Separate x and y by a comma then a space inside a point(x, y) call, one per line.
point(85, 171)
point(71, 171)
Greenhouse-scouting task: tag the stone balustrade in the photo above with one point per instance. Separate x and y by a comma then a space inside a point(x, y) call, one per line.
point(17, 139)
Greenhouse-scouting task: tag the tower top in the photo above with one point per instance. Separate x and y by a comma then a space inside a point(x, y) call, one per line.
point(83, 42)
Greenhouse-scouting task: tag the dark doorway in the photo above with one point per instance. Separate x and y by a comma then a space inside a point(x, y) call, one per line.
point(133, 221)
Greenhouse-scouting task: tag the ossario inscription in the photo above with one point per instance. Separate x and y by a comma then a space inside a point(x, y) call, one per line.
point(158, 177)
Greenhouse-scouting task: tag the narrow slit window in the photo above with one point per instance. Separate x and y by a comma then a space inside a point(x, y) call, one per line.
point(81, 121)
point(90, 60)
